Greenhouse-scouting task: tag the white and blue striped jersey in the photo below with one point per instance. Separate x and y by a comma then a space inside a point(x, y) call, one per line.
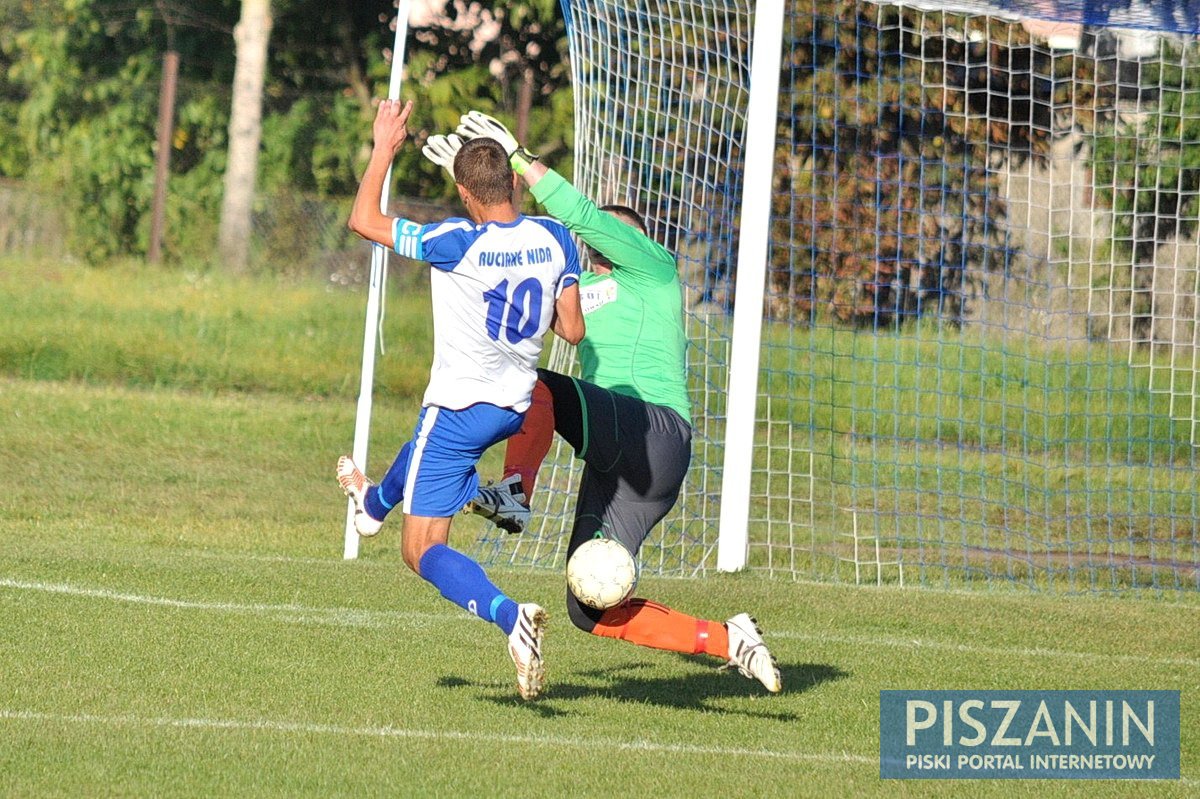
point(494, 287)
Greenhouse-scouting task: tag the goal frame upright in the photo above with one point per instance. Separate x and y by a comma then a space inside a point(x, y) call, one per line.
point(753, 252)
point(376, 285)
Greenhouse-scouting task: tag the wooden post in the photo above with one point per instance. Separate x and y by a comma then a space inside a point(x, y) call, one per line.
point(162, 156)
point(524, 106)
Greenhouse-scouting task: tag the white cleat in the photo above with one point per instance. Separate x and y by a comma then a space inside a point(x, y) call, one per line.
point(749, 655)
point(355, 484)
point(525, 647)
point(504, 503)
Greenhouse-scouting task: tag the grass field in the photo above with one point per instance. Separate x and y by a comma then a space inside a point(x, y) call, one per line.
point(176, 620)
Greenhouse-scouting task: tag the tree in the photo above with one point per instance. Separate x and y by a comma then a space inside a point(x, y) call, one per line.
point(245, 133)
point(507, 59)
point(79, 85)
point(1148, 164)
point(885, 198)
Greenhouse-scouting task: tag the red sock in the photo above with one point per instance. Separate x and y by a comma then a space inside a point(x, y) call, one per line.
point(525, 451)
point(647, 623)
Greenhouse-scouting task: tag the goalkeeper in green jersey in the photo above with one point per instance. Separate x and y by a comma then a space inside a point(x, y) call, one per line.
point(628, 417)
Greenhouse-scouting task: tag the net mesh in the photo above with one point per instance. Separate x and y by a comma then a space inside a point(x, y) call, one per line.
point(660, 97)
point(981, 341)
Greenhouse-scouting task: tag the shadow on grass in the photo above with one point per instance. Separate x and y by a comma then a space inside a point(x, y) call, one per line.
point(702, 691)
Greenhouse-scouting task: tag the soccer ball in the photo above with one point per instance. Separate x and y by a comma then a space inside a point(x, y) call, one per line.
point(601, 573)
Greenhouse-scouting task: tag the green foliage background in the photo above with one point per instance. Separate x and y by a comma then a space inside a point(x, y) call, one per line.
point(1147, 166)
point(883, 170)
point(79, 94)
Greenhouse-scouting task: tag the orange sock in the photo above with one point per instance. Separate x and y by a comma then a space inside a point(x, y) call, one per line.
point(525, 450)
point(647, 623)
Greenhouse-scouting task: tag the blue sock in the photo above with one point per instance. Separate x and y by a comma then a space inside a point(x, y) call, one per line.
point(376, 508)
point(463, 582)
point(380, 499)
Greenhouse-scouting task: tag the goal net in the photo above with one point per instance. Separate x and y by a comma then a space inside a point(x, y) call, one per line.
point(660, 98)
point(980, 339)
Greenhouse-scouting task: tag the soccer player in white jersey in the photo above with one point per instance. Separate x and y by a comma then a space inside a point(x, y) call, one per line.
point(499, 281)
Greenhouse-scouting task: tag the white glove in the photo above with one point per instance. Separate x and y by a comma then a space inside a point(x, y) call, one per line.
point(476, 124)
point(441, 150)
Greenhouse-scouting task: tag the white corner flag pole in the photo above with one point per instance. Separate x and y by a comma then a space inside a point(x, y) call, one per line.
point(742, 404)
point(379, 256)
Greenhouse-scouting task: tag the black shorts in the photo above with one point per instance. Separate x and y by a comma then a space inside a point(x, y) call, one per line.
point(635, 455)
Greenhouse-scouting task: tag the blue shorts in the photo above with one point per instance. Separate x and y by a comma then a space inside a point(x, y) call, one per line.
point(438, 464)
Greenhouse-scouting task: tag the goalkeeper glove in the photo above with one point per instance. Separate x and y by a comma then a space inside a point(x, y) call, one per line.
point(441, 150)
point(476, 124)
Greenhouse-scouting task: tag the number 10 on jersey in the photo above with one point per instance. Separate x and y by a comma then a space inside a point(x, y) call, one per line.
point(518, 313)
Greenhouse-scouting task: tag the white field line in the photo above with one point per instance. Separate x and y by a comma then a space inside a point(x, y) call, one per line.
point(966, 593)
point(350, 617)
point(340, 731)
point(341, 617)
point(307, 728)
point(951, 646)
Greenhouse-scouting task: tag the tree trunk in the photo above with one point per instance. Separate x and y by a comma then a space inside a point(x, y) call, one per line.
point(360, 85)
point(245, 133)
point(162, 155)
point(524, 106)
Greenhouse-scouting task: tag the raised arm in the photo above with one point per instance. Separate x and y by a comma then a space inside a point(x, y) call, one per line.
point(622, 245)
point(390, 132)
point(534, 173)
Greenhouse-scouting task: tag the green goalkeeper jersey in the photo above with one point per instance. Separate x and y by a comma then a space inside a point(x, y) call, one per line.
point(634, 343)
